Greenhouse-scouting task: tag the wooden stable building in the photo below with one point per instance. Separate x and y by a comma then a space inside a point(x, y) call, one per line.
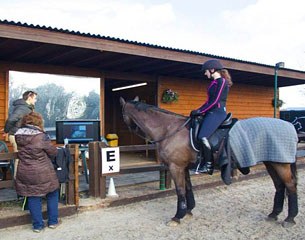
point(118, 62)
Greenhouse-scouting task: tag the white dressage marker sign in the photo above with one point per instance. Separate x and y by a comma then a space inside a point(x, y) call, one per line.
point(110, 160)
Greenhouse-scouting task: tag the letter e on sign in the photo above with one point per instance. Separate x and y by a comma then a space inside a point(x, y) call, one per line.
point(110, 160)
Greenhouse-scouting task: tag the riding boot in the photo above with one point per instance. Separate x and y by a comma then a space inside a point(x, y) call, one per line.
point(207, 165)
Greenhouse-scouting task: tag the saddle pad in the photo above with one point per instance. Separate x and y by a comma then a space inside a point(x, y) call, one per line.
point(261, 139)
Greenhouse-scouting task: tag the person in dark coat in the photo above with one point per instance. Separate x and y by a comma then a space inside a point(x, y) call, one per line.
point(36, 176)
point(213, 110)
point(21, 107)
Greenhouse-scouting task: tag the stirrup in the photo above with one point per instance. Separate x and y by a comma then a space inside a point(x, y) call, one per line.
point(206, 168)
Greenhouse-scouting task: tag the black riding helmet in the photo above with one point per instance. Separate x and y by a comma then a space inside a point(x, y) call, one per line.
point(211, 64)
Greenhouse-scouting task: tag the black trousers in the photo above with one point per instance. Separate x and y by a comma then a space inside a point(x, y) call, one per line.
point(211, 122)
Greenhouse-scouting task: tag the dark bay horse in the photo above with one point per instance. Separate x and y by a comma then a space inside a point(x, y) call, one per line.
point(168, 130)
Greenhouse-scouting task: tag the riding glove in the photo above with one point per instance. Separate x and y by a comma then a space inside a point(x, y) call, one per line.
point(195, 113)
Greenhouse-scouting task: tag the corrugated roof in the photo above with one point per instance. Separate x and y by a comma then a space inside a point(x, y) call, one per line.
point(98, 36)
point(32, 45)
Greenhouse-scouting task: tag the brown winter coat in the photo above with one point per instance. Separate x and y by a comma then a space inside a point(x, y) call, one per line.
point(35, 174)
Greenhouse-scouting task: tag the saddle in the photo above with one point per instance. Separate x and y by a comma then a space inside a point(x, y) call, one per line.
point(217, 137)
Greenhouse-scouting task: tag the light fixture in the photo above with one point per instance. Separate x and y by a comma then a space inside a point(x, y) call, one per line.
point(275, 98)
point(279, 65)
point(129, 86)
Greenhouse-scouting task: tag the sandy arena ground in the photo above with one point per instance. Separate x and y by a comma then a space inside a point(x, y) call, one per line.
point(234, 212)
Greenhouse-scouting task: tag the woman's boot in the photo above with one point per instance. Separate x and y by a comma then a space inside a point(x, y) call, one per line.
point(207, 165)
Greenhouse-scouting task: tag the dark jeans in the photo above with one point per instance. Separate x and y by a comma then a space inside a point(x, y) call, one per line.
point(35, 207)
point(211, 122)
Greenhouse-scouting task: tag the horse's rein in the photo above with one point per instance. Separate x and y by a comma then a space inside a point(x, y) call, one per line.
point(153, 141)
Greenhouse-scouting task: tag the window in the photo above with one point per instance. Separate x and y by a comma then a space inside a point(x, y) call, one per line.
point(59, 97)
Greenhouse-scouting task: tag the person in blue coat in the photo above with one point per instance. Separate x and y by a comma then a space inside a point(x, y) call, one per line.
point(213, 110)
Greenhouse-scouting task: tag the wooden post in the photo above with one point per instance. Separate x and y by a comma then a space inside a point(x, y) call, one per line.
point(76, 175)
point(162, 179)
point(168, 179)
point(94, 169)
point(102, 178)
point(72, 196)
point(166, 174)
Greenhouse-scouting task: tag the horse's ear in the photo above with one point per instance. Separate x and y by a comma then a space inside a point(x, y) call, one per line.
point(122, 101)
point(136, 99)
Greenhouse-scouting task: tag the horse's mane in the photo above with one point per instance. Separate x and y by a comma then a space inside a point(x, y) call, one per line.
point(141, 106)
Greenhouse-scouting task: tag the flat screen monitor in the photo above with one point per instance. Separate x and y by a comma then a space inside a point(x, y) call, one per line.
point(77, 131)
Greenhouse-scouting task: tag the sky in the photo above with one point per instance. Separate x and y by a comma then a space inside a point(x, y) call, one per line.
point(261, 31)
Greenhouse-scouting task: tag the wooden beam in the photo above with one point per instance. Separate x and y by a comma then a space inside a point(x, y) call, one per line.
point(86, 59)
point(73, 71)
point(25, 52)
point(145, 168)
point(7, 184)
point(143, 63)
point(8, 156)
point(129, 76)
point(133, 148)
point(117, 60)
point(49, 69)
point(63, 54)
point(4, 42)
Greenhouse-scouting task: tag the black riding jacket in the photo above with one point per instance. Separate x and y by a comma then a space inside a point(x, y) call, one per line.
point(217, 95)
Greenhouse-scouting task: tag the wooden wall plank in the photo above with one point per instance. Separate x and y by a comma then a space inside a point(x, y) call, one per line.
point(244, 101)
point(3, 98)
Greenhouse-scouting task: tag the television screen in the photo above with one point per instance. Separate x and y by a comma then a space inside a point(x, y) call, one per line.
point(77, 131)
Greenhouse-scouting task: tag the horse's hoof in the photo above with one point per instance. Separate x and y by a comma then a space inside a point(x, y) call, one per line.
point(289, 224)
point(174, 222)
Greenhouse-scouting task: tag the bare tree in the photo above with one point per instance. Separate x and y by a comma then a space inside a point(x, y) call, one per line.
point(52, 103)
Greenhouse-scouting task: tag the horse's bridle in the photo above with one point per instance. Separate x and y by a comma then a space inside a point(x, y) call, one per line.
point(144, 137)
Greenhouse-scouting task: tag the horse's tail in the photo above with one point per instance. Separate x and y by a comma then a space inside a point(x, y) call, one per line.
point(293, 167)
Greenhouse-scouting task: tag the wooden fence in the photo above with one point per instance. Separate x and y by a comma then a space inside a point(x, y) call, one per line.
point(71, 187)
point(97, 181)
point(9, 158)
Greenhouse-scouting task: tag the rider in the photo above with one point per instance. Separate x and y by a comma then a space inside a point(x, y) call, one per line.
point(213, 110)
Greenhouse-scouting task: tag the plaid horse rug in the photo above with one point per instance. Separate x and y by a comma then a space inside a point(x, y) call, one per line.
point(255, 140)
point(261, 139)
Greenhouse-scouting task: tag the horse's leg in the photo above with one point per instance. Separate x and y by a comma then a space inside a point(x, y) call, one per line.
point(178, 175)
point(279, 196)
point(287, 173)
point(190, 200)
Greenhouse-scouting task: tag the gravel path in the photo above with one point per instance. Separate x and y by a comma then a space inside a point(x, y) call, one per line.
point(232, 212)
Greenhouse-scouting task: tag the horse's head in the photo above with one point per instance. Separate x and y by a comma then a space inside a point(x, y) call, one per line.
point(132, 126)
point(150, 122)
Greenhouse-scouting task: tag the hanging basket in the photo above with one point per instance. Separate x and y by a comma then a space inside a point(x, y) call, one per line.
point(169, 96)
point(279, 102)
